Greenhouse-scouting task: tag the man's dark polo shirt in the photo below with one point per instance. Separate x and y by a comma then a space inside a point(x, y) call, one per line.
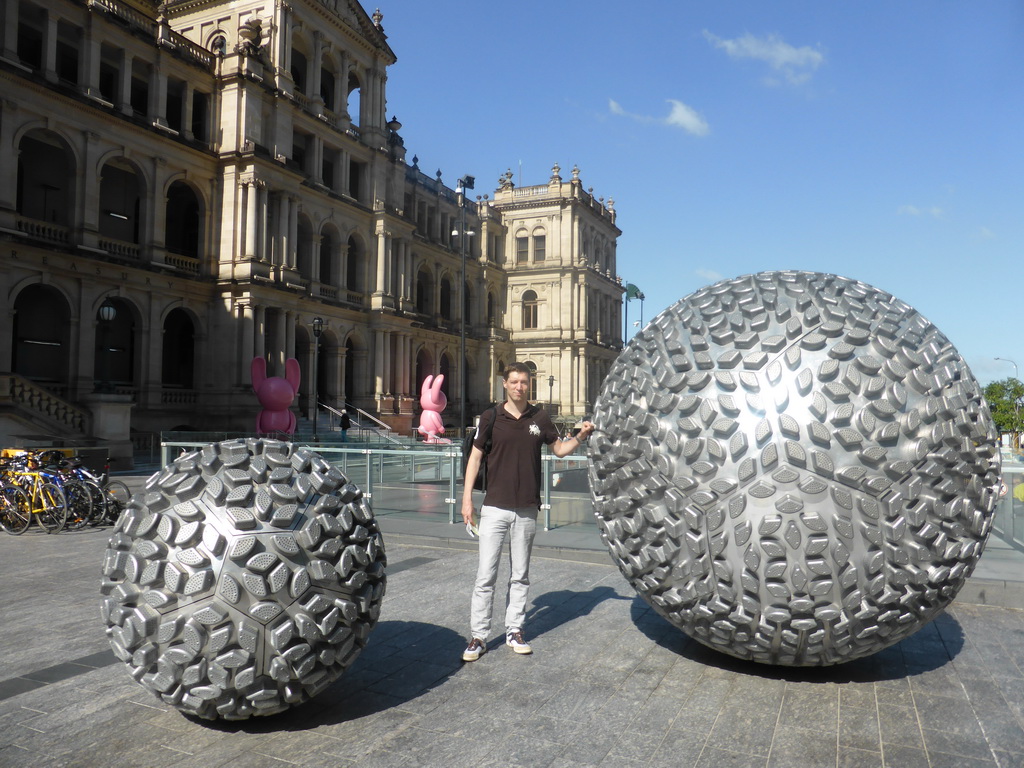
point(513, 465)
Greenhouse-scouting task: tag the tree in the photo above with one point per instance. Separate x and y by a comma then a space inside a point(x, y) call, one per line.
point(1004, 399)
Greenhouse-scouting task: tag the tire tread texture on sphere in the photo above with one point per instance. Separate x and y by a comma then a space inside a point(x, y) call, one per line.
point(794, 468)
point(243, 580)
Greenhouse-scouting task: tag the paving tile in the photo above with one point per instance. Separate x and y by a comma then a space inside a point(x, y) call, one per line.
point(1004, 759)
point(802, 747)
point(742, 730)
point(858, 728)
point(943, 760)
point(860, 695)
point(859, 758)
point(678, 748)
point(810, 707)
point(897, 756)
point(724, 758)
point(962, 742)
point(900, 726)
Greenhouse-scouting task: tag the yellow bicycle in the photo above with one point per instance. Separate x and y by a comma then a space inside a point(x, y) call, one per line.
point(28, 493)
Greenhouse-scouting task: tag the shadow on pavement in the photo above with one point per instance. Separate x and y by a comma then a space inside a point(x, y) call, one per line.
point(931, 647)
point(552, 609)
point(400, 663)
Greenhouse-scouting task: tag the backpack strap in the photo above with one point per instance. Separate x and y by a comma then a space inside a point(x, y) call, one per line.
point(489, 429)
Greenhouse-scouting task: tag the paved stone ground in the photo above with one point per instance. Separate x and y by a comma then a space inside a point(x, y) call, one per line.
point(610, 684)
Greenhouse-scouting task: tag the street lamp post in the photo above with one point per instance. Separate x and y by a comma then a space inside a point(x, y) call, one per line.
point(551, 391)
point(464, 183)
point(1016, 400)
point(318, 328)
point(107, 313)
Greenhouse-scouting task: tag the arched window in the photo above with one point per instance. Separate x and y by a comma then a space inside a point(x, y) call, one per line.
point(120, 202)
point(424, 288)
point(45, 174)
point(299, 67)
point(530, 312)
point(304, 248)
point(178, 365)
point(353, 94)
point(446, 298)
point(114, 360)
point(491, 317)
point(182, 220)
point(328, 271)
point(353, 265)
point(41, 335)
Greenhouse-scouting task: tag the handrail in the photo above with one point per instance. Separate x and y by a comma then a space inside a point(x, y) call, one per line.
point(24, 392)
point(382, 430)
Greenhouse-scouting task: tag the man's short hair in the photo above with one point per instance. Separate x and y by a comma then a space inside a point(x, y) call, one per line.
point(516, 368)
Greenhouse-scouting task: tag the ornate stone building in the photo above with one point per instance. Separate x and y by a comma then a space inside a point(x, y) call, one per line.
point(188, 185)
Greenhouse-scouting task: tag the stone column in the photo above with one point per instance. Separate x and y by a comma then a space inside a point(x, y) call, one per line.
point(378, 364)
point(8, 162)
point(260, 346)
point(293, 231)
point(280, 334)
point(158, 94)
point(186, 111)
point(282, 243)
point(315, 241)
point(289, 334)
point(262, 209)
point(381, 262)
point(250, 193)
point(248, 340)
point(91, 63)
point(124, 94)
point(50, 47)
point(314, 81)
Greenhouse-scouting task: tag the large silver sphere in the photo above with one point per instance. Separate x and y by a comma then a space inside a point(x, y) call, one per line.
point(244, 579)
point(794, 468)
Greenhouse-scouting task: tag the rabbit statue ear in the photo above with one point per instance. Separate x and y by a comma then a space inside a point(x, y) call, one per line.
point(437, 385)
point(425, 389)
point(258, 372)
point(292, 373)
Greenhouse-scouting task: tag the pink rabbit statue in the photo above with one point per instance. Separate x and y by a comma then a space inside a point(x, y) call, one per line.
point(433, 401)
point(275, 395)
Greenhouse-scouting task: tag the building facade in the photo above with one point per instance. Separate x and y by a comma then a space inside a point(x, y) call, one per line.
point(187, 186)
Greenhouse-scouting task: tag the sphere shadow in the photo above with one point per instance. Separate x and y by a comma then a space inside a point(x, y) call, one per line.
point(931, 647)
point(402, 661)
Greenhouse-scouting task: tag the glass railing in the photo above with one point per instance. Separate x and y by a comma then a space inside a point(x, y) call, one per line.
point(425, 481)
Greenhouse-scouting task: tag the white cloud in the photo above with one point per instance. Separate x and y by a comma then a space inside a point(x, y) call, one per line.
point(708, 274)
point(680, 116)
point(912, 210)
point(795, 64)
point(987, 234)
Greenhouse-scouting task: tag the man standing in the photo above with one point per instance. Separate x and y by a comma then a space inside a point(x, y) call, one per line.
point(518, 430)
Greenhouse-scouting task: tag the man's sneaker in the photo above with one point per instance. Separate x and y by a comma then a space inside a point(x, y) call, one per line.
point(474, 650)
point(515, 641)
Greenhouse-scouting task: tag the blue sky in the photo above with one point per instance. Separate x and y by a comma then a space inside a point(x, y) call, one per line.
point(883, 141)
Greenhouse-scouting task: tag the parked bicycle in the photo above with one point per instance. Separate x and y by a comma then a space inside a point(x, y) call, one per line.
point(47, 504)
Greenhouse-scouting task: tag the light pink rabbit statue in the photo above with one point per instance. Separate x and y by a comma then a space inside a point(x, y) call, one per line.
point(433, 401)
point(275, 395)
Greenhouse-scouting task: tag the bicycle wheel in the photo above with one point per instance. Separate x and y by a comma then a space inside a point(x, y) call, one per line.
point(51, 511)
point(99, 502)
point(15, 510)
point(117, 497)
point(79, 504)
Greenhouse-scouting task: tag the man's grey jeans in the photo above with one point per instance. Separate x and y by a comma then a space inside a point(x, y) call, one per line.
point(519, 526)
